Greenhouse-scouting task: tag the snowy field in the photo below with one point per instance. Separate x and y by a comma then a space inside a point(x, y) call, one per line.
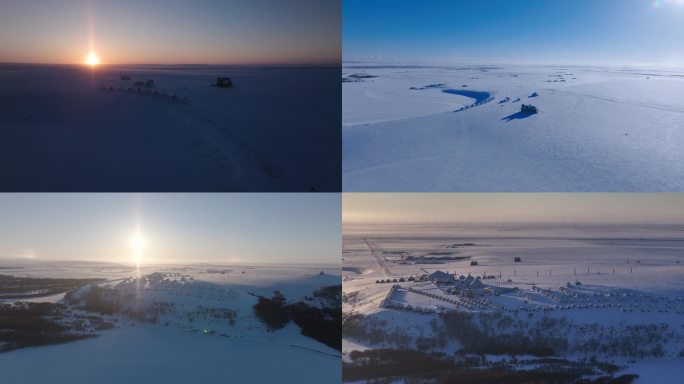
point(604, 281)
point(417, 128)
point(191, 341)
point(68, 128)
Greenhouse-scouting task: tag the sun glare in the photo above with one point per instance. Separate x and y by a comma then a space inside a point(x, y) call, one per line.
point(138, 243)
point(92, 59)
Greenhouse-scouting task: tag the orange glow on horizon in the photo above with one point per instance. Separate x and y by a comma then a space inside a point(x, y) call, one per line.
point(92, 59)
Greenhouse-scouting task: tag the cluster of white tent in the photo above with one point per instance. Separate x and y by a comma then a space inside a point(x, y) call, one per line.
point(549, 294)
point(460, 283)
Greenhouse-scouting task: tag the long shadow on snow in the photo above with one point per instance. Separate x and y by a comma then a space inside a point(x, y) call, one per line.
point(517, 116)
point(479, 97)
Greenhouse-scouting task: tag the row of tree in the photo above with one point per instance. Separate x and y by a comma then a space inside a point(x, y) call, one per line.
point(320, 323)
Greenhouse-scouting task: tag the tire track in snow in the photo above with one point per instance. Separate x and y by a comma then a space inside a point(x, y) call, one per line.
point(229, 148)
point(379, 259)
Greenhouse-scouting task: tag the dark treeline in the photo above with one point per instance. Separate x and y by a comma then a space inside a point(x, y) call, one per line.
point(382, 366)
point(272, 311)
point(320, 323)
point(27, 287)
point(479, 338)
point(33, 324)
point(497, 333)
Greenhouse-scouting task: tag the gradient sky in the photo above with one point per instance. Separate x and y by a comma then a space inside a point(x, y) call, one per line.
point(171, 31)
point(660, 208)
point(217, 228)
point(620, 32)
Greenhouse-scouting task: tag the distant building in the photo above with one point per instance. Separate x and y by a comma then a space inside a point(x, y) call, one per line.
point(476, 283)
point(224, 82)
point(442, 277)
point(528, 108)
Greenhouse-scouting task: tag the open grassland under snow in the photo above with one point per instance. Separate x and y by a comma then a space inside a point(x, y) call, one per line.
point(420, 128)
point(68, 128)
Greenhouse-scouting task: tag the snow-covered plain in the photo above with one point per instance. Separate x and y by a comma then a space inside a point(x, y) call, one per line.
point(184, 346)
point(598, 129)
point(63, 129)
point(634, 278)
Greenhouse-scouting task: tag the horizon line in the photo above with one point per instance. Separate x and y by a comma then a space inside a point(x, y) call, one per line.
point(501, 223)
point(170, 263)
point(437, 63)
point(275, 64)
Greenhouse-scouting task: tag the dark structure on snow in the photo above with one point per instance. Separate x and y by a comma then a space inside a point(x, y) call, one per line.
point(528, 108)
point(442, 277)
point(224, 82)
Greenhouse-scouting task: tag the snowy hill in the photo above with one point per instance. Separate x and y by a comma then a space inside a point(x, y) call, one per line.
point(184, 324)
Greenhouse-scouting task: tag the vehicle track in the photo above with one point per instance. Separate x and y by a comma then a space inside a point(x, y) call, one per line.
point(381, 261)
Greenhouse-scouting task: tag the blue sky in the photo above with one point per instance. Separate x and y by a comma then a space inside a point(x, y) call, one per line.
point(566, 31)
point(171, 31)
point(218, 228)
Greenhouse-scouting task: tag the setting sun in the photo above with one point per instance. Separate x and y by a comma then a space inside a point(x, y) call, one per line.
point(92, 59)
